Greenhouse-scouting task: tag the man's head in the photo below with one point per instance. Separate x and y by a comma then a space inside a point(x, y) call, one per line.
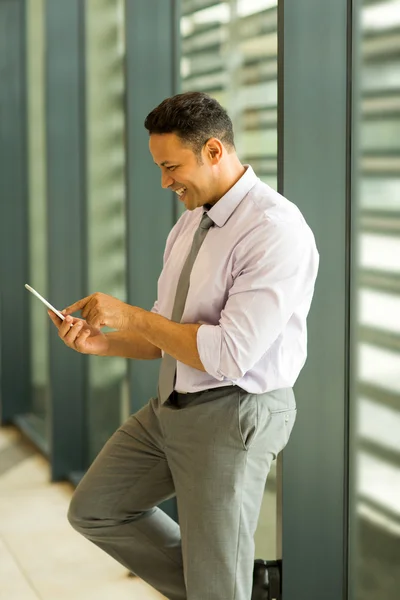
point(191, 140)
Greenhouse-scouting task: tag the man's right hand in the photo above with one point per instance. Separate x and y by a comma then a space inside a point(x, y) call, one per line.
point(81, 337)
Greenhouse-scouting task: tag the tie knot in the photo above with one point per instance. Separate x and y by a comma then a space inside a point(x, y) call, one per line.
point(206, 222)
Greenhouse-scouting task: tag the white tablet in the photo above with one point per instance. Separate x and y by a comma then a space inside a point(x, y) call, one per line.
point(28, 287)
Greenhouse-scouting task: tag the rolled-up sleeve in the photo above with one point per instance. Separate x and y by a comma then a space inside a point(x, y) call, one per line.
point(155, 308)
point(274, 272)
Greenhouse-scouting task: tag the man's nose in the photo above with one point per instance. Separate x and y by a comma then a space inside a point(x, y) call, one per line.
point(166, 181)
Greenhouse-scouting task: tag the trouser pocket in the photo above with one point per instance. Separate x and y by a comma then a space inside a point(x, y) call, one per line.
point(248, 418)
point(281, 424)
point(290, 418)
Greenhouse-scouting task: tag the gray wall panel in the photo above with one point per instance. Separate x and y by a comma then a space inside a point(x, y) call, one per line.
point(314, 162)
point(66, 222)
point(151, 76)
point(150, 79)
point(14, 323)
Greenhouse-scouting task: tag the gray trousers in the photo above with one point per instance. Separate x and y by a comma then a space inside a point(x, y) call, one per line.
point(211, 449)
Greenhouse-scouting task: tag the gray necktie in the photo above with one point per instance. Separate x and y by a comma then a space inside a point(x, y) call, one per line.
point(166, 380)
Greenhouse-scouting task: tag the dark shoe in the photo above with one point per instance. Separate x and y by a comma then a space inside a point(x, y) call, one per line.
point(266, 580)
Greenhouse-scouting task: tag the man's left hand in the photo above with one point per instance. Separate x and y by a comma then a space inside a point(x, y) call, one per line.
point(101, 310)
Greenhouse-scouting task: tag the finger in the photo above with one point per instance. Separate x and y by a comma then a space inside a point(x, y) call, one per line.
point(80, 341)
point(77, 306)
point(85, 311)
point(90, 307)
point(65, 326)
point(98, 324)
point(95, 321)
point(73, 333)
point(91, 316)
point(56, 320)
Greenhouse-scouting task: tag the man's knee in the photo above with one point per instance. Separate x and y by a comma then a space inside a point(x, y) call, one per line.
point(88, 515)
point(79, 514)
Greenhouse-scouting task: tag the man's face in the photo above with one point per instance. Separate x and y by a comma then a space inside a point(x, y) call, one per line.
point(182, 171)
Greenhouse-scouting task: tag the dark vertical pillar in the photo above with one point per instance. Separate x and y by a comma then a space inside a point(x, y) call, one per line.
point(14, 301)
point(151, 76)
point(314, 164)
point(66, 222)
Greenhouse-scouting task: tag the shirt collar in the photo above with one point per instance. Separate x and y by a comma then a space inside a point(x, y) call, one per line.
point(223, 209)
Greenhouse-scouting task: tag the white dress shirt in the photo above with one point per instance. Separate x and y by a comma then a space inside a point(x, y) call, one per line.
point(250, 288)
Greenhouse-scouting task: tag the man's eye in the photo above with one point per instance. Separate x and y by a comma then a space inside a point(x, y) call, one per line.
point(171, 168)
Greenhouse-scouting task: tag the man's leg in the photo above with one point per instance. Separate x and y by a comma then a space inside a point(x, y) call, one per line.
point(113, 506)
point(220, 445)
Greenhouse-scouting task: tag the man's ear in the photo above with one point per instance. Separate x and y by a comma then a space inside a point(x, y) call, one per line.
point(214, 150)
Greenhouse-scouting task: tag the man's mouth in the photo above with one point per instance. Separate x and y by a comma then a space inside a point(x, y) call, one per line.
point(181, 191)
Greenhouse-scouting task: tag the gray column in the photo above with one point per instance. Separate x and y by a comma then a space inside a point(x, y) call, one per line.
point(151, 71)
point(151, 76)
point(14, 301)
point(66, 223)
point(314, 116)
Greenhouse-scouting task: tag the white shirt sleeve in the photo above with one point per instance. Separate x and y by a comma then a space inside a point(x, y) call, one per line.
point(274, 272)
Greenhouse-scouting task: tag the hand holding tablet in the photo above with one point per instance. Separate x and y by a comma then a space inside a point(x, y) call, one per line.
point(79, 335)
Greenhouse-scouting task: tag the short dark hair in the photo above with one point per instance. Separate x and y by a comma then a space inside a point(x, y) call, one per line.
point(194, 117)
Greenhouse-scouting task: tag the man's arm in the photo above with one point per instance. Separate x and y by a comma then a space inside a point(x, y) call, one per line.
point(153, 332)
point(177, 339)
point(274, 276)
point(131, 344)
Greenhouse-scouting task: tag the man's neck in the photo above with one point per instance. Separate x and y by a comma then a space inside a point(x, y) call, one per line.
point(235, 172)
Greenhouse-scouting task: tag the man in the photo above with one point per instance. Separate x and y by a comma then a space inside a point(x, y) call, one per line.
point(230, 322)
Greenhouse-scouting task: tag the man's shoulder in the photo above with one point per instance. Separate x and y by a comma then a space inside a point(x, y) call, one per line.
point(269, 206)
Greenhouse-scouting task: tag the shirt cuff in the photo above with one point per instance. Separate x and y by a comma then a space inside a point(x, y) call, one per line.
point(209, 348)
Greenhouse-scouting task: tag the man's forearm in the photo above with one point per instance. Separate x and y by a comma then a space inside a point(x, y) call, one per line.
point(131, 344)
point(177, 339)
